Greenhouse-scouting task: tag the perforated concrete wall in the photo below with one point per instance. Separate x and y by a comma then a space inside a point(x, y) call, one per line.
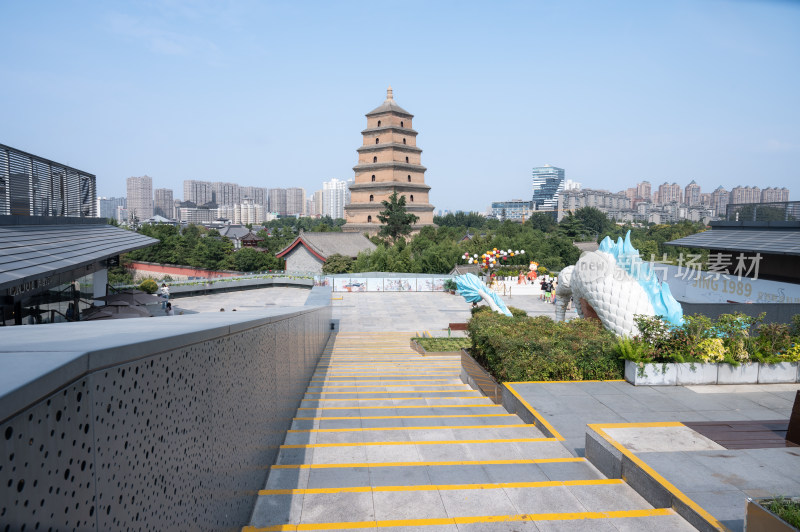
point(173, 440)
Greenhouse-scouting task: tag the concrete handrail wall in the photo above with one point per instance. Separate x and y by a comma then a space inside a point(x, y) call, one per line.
point(161, 423)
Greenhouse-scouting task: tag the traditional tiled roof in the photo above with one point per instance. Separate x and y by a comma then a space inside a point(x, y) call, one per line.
point(235, 232)
point(252, 236)
point(586, 246)
point(323, 245)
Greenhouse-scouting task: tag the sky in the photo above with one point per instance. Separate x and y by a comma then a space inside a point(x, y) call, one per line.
point(274, 93)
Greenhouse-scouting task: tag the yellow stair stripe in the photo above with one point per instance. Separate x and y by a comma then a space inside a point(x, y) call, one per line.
point(447, 487)
point(420, 442)
point(414, 464)
point(424, 427)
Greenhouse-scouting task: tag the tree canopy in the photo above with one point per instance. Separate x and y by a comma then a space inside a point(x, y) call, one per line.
point(432, 250)
point(396, 221)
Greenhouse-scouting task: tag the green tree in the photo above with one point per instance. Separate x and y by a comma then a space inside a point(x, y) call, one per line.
point(594, 221)
point(337, 263)
point(542, 221)
point(251, 260)
point(396, 221)
point(571, 227)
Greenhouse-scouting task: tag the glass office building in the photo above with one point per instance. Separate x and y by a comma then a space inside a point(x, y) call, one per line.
point(511, 210)
point(548, 182)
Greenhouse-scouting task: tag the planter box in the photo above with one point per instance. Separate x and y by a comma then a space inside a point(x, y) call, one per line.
point(773, 373)
point(742, 374)
point(421, 350)
point(478, 378)
point(683, 375)
point(757, 517)
point(653, 374)
point(696, 373)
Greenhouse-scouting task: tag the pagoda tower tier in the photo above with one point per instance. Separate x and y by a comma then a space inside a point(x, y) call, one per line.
point(388, 161)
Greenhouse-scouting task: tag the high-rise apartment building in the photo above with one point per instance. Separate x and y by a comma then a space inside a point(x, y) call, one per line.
point(771, 194)
point(389, 161)
point(643, 190)
point(669, 193)
point(607, 202)
point(317, 203)
point(249, 213)
point(295, 201)
point(548, 183)
point(258, 195)
point(108, 206)
point(335, 195)
point(745, 195)
point(277, 201)
point(198, 192)
point(164, 203)
point(719, 201)
point(226, 193)
point(140, 198)
point(691, 194)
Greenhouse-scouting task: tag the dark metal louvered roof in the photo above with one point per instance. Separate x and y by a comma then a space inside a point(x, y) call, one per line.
point(772, 241)
point(29, 252)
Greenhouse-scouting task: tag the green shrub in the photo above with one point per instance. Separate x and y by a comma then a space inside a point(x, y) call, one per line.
point(732, 338)
point(522, 348)
point(787, 509)
point(443, 344)
point(449, 285)
point(149, 286)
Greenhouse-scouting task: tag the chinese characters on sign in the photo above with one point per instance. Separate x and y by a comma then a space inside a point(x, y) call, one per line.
point(725, 265)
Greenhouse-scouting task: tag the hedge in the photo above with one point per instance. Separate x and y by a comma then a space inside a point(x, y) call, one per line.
point(522, 348)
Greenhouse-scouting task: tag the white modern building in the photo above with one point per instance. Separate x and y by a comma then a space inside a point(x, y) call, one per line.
point(335, 195)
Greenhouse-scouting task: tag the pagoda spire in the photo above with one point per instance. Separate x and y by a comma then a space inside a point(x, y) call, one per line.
point(389, 93)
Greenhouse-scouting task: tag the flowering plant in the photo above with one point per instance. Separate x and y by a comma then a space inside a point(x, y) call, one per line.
point(492, 258)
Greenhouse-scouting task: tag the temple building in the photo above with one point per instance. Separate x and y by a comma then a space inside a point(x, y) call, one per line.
point(388, 161)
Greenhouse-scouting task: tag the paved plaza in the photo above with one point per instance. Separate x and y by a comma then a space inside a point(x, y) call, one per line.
point(371, 311)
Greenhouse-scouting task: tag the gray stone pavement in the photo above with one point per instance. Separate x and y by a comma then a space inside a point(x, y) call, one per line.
point(719, 480)
point(241, 300)
point(368, 311)
point(417, 311)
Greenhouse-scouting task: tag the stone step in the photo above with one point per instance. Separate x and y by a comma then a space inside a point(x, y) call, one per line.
point(426, 505)
point(512, 429)
point(357, 394)
point(422, 451)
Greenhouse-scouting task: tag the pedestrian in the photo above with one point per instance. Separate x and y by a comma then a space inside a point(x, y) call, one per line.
point(553, 291)
point(164, 294)
point(169, 310)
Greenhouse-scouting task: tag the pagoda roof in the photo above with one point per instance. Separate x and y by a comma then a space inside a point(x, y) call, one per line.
point(389, 106)
point(422, 187)
point(363, 167)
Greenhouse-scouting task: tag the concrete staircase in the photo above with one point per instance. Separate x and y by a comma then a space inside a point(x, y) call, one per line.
point(386, 438)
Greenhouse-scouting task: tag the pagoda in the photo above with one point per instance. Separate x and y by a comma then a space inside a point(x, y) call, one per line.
point(388, 161)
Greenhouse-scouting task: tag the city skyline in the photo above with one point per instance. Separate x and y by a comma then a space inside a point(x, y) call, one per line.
point(169, 90)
